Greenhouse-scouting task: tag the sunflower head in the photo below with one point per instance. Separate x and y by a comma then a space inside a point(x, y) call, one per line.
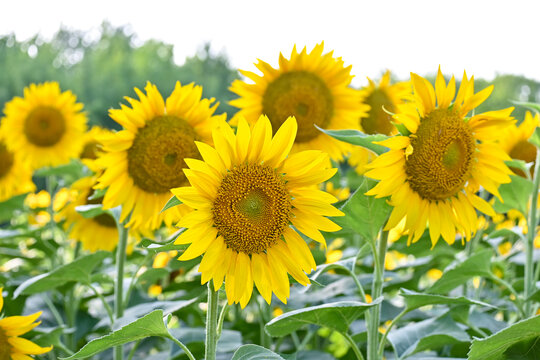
point(515, 142)
point(92, 147)
point(45, 126)
point(313, 87)
point(432, 174)
point(246, 195)
point(145, 160)
point(15, 175)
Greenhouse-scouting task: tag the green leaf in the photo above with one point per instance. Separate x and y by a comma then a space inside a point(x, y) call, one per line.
point(535, 137)
point(493, 347)
point(157, 247)
point(149, 325)
point(401, 128)
point(364, 214)
point(255, 352)
point(8, 207)
point(356, 137)
point(75, 169)
point(98, 194)
point(477, 265)
point(518, 164)
point(515, 195)
point(336, 316)
point(173, 201)
point(414, 300)
point(76, 271)
point(91, 210)
point(428, 334)
point(530, 105)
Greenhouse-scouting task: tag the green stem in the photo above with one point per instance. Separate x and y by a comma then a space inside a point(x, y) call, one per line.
point(221, 319)
point(211, 323)
point(105, 304)
point(133, 349)
point(529, 244)
point(119, 286)
point(53, 309)
point(71, 305)
point(356, 281)
point(379, 256)
point(354, 347)
point(184, 347)
point(134, 278)
point(394, 321)
point(510, 288)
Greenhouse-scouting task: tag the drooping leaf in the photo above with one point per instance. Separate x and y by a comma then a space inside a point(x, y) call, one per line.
point(515, 195)
point(493, 347)
point(173, 201)
point(359, 138)
point(364, 214)
point(77, 271)
point(91, 210)
point(476, 265)
point(255, 352)
point(157, 247)
point(336, 316)
point(415, 300)
point(149, 325)
point(97, 194)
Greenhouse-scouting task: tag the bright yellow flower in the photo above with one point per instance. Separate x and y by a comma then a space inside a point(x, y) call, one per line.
point(433, 174)
point(38, 200)
point(62, 197)
point(312, 87)
point(383, 99)
point(155, 290)
point(247, 193)
point(145, 160)
point(394, 259)
point(46, 126)
point(341, 193)
point(92, 147)
point(15, 176)
point(162, 259)
point(12, 346)
point(434, 274)
point(514, 141)
point(504, 248)
point(41, 219)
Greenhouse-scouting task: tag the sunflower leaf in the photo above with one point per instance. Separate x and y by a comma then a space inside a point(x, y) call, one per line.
point(495, 347)
point(515, 195)
point(97, 194)
point(414, 300)
point(530, 105)
point(91, 210)
point(173, 201)
point(359, 138)
point(255, 352)
point(336, 316)
point(535, 137)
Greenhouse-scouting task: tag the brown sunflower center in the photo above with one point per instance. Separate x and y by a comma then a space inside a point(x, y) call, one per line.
point(90, 150)
point(443, 155)
point(5, 348)
point(156, 158)
point(378, 121)
point(252, 208)
point(102, 219)
point(6, 160)
point(525, 151)
point(44, 126)
point(303, 95)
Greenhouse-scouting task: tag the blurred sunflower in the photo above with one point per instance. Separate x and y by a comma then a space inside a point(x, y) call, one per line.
point(515, 143)
point(247, 193)
point(432, 174)
point(312, 87)
point(382, 99)
point(145, 160)
point(92, 147)
point(15, 177)
point(46, 126)
point(11, 345)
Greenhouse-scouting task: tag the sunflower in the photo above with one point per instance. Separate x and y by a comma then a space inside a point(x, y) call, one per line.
point(97, 233)
point(145, 160)
point(312, 87)
point(515, 143)
point(92, 147)
point(383, 99)
point(15, 176)
point(11, 345)
point(433, 173)
point(246, 194)
point(46, 126)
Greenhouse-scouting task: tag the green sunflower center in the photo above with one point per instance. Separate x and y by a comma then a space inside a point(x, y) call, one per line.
point(443, 155)
point(5, 348)
point(303, 95)
point(378, 121)
point(525, 151)
point(44, 126)
point(156, 158)
point(252, 208)
point(90, 150)
point(6, 160)
point(102, 219)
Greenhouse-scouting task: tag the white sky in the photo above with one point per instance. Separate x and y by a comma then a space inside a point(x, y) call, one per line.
point(483, 37)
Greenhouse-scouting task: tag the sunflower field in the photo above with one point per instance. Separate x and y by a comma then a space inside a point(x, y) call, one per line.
point(309, 220)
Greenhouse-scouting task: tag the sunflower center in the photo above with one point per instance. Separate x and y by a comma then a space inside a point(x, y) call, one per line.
point(44, 126)
point(90, 150)
point(252, 208)
point(5, 348)
point(303, 95)
point(102, 219)
point(378, 121)
point(6, 160)
point(156, 158)
point(525, 151)
point(443, 155)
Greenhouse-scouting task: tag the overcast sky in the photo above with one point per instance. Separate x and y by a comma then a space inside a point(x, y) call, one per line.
point(483, 37)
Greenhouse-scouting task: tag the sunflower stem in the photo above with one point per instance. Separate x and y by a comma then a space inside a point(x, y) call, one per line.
point(211, 323)
point(119, 288)
point(529, 244)
point(354, 347)
point(379, 256)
